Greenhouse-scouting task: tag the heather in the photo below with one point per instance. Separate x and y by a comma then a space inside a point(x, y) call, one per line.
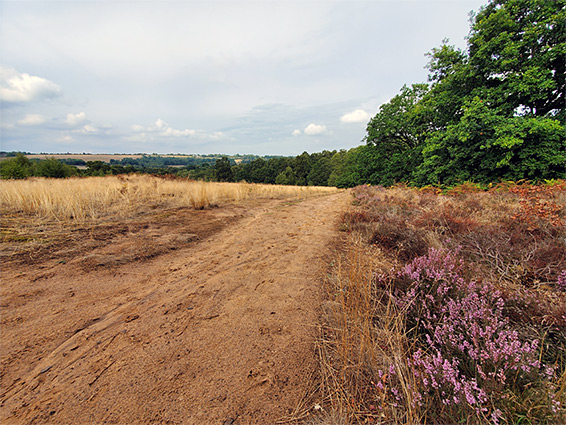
point(453, 303)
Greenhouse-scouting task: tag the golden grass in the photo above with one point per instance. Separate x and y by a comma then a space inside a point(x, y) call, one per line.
point(362, 335)
point(83, 199)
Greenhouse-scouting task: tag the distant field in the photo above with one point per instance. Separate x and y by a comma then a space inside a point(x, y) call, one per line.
point(96, 157)
point(101, 157)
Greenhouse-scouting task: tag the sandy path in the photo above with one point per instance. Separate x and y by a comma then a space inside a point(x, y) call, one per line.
point(220, 332)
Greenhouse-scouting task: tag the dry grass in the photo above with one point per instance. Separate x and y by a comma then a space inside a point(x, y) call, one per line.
point(362, 337)
point(84, 199)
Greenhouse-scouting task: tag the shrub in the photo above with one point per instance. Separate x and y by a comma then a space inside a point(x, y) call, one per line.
point(15, 168)
point(54, 168)
point(483, 312)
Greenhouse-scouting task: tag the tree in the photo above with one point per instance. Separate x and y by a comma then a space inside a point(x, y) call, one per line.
point(53, 168)
point(320, 172)
point(493, 112)
point(398, 125)
point(395, 137)
point(223, 170)
point(18, 167)
point(287, 177)
point(302, 167)
point(517, 47)
point(337, 165)
point(97, 168)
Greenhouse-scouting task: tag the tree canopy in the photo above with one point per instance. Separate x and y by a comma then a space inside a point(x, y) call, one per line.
point(495, 111)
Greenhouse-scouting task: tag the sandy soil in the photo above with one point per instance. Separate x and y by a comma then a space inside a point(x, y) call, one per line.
point(219, 328)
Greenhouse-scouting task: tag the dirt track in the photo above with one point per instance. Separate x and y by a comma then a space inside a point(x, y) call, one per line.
point(218, 331)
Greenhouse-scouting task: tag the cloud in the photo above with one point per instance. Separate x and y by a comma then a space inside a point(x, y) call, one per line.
point(76, 119)
point(86, 129)
point(359, 115)
point(160, 129)
point(23, 88)
point(296, 132)
point(65, 139)
point(314, 129)
point(32, 119)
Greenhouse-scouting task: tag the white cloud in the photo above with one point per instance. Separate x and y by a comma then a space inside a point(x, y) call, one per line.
point(161, 129)
point(296, 132)
point(65, 139)
point(314, 129)
point(359, 115)
point(21, 88)
point(32, 119)
point(86, 129)
point(76, 119)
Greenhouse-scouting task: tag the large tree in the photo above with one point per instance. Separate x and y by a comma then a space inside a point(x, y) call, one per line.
point(493, 112)
point(223, 170)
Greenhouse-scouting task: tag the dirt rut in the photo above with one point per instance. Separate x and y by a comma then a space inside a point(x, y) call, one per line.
point(220, 332)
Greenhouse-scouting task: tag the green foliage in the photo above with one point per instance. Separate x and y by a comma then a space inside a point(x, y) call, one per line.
point(494, 112)
point(320, 172)
point(287, 177)
point(223, 170)
point(18, 167)
point(51, 167)
point(302, 166)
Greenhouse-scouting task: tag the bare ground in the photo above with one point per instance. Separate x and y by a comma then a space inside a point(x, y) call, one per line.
point(198, 317)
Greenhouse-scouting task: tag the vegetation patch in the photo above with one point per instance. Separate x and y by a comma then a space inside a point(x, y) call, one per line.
point(449, 308)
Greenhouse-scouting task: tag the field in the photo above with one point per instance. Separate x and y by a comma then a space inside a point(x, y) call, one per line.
point(143, 299)
point(84, 157)
point(91, 157)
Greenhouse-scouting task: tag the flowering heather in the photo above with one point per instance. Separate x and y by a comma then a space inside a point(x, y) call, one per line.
point(468, 351)
point(466, 318)
point(561, 282)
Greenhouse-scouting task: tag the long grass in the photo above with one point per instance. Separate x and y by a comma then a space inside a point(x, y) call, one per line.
point(83, 199)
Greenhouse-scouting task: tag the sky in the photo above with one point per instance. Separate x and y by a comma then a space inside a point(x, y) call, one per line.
point(250, 77)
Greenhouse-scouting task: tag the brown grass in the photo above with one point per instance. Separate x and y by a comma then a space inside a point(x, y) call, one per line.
point(362, 336)
point(91, 198)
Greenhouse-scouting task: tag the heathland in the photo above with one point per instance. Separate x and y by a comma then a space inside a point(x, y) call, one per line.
point(144, 299)
point(159, 289)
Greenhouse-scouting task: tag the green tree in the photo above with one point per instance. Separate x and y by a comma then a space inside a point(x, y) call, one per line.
point(223, 170)
point(97, 168)
point(302, 167)
point(517, 48)
point(493, 112)
point(395, 137)
point(398, 125)
point(287, 177)
point(18, 167)
point(54, 168)
point(337, 165)
point(320, 172)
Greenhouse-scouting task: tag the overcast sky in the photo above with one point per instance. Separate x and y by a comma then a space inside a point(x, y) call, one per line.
point(168, 76)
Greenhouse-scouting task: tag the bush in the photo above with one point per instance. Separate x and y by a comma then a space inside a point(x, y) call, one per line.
point(468, 350)
point(15, 168)
point(54, 168)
